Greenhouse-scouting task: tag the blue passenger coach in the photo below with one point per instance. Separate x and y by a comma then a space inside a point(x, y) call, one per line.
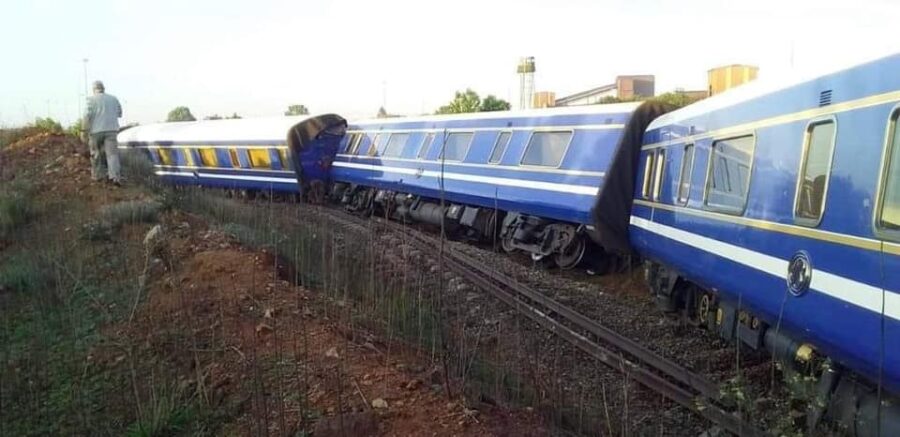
point(268, 154)
point(538, 171)
point(772, 212)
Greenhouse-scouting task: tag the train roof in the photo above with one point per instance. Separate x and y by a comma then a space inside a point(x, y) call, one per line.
point(252, 129)
point(612, 108)
point(750, 91)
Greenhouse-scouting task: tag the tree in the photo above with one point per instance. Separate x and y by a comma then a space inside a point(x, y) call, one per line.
point(676, 99)
point(491, 103)
point(213, 117)
point(233, 116)
point(297, 110)
point(181, 113)
point(463, 102)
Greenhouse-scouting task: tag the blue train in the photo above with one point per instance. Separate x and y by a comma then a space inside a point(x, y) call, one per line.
point(769, 214)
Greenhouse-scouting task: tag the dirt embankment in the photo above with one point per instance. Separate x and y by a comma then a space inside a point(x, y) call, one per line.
point(194, 333)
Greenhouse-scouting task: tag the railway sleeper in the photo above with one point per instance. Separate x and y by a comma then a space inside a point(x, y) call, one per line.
point(840, 397)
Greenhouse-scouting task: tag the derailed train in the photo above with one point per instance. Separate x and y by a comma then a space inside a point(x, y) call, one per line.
point(769, 214)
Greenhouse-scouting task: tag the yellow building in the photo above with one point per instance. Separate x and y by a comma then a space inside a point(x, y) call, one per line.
point(730, 76)
point(544, 99)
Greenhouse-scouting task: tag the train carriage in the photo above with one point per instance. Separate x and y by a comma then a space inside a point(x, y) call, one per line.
point(539, 171)
point(266, 154)
point(780, 202)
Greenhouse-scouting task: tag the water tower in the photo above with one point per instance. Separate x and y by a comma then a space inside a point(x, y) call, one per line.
point(526, 82)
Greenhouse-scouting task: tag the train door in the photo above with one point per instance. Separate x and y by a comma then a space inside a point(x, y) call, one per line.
point(887, 225)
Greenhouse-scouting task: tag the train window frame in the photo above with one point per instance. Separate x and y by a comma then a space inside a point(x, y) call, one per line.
point(465, 152)
point(804, 156)
point(402, 147)
point(881, 231)
point(649, 163)
point(562, 157)
point(427, 141)
point(707, 185)
point(496, 144)
point(681, 176)
point(659, 169)
point(373, 147)
point(233, 156)
point(353, 143)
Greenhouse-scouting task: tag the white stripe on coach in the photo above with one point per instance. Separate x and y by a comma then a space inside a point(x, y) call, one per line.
point(219, 176)
point(838, 287)
point(536, 185)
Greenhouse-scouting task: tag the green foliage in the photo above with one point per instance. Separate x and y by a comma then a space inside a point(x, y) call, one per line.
point(675, 99)
point(48, 125)
point(181, 113)
point(75, 129)
point(297, 110)
point(491, 103)
point(463, 102)
point(469, 101)
point(166, 413)
point(233, 116)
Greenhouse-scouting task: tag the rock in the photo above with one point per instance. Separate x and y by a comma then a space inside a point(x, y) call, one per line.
point(361, 424)
point(263, 329)
point(436, 376)
point(332, 353)
point(154, 239)
point(269, 313)
point(379, 404)
point(414, 384)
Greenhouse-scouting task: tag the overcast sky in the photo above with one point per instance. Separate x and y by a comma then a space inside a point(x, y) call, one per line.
point(257, 57)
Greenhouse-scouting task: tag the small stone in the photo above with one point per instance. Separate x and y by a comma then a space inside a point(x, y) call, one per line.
point(269, 313)
point(379, 404)
point(332, 353)
point(263, 329)
point(400, 366)
point(414, 384)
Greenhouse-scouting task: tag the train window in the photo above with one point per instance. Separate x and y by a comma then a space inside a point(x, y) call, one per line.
point(353, 144)
point(426, 142)
point(378, 144)
point(500, 147)
point(889, 213)
point(259, 158)
point(285, 156)
point(728, 180)
point(658, 172)
point(684, 179)
point(456, 145)
point(208, 157)
point(815, 166)
point(395, 144)
point(648, 176)
point(165, 156)
point(546, 148)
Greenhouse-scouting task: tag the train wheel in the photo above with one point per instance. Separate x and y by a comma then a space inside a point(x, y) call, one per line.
point(572, 254)
point(506, 244)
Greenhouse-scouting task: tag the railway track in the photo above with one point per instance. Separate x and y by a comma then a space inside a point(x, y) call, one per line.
point(688, 389)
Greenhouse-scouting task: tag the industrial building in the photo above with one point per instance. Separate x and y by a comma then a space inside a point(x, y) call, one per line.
point(730, 76)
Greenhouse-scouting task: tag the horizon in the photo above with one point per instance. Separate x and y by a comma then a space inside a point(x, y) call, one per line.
point(345, 72)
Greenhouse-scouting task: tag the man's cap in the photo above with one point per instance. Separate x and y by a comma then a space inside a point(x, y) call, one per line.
point(98, 85)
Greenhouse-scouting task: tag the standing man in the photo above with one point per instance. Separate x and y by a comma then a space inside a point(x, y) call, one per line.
point(101, 122)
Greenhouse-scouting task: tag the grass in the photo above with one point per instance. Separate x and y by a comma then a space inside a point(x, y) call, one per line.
point(16, 207)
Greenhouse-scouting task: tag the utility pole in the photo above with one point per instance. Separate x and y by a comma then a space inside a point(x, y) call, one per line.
point(85, 61)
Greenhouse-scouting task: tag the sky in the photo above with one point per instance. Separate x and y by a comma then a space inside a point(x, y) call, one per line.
point(349, 57)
